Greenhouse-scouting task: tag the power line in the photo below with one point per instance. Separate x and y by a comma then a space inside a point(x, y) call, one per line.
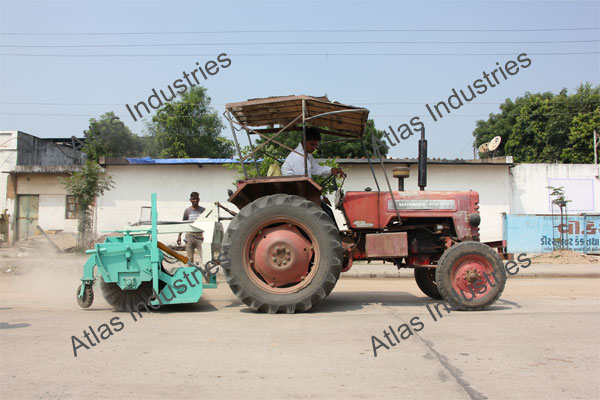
point(70, 104)
point(222, 104)
point(295, 31)
point(373, 115)
point(464, 148)
point(294, 54)
point(302, 43)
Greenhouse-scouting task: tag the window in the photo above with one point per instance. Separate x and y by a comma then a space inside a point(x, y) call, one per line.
point(72, 211)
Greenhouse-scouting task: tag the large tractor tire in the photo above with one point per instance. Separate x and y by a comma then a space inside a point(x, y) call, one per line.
point(281, 253)
point(425, 278)
point(470, 276)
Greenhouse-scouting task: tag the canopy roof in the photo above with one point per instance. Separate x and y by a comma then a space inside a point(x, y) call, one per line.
point(269, 112)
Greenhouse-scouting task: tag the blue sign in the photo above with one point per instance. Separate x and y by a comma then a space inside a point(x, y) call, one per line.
point(545, 233)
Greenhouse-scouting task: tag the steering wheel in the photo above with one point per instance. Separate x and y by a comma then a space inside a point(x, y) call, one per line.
point(330, 180)
point(339, 194)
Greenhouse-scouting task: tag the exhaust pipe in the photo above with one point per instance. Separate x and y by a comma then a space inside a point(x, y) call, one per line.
point(422, 161)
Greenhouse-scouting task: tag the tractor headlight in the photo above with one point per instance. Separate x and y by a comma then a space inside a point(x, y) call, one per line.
point(474, 219)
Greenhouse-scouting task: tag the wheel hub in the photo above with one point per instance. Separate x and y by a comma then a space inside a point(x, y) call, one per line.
point(281, 255)
point(471, 276)
point(469, 270)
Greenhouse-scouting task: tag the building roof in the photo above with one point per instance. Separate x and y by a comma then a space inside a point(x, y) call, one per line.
point(46, 169)
point(508, 160)
point(148, 160)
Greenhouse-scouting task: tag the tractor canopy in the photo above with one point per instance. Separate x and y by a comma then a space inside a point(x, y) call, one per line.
point(289, 113)
point(271, 116)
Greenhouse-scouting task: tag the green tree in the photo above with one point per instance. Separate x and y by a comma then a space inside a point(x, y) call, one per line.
point(86, 184)
point(189, 128)
point(544, 127)
point(108, 136)
point(580, 143)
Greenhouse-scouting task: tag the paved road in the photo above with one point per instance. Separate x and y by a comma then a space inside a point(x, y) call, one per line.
point(388, 270)
point(540, 341)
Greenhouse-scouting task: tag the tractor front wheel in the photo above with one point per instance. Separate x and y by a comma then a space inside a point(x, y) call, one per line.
point(470, 276)
point(425, 278)
point(282, 253)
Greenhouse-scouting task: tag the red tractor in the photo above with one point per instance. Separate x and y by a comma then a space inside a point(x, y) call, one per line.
point(283, 253)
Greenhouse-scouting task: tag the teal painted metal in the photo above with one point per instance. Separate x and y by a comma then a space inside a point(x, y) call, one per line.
point(121, 259)
point(185, 286)
point(154, 252)
point(212, 282)
point(542, 233)
point(131, 259)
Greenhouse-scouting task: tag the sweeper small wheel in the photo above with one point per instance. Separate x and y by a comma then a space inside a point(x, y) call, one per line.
point(88, 296)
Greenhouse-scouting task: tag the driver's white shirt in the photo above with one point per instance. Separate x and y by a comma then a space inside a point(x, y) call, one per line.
point(294, 164)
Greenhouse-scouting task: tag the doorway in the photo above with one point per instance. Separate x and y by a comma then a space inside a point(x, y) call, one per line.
point(27, 215)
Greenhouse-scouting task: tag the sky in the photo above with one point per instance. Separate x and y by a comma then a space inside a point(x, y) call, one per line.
point(392, 57)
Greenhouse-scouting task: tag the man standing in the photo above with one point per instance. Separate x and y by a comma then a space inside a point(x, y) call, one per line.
point(193, 239)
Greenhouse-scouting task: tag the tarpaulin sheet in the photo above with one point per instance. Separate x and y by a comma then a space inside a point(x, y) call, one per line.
point(148, 160)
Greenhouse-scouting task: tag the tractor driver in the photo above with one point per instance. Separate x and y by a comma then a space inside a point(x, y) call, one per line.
point(294, 164)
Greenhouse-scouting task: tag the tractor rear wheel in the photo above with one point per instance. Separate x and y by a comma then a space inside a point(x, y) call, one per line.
point(282, 253)
point(470, 276)
point(425, 278)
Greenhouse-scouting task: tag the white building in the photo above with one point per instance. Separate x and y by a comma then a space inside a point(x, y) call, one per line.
point(503, 187)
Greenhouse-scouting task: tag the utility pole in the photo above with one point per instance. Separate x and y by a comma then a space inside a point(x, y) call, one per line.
point(595, 147)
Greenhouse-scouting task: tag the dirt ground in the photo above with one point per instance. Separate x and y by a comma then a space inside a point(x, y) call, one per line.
point(564, 257)
point(539, 341)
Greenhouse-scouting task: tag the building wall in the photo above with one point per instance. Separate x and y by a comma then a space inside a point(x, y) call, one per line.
point(543, 234)
point(52, 200)
point(8, 161)
point(35, 151)
point(173, 184)
point(530, 194)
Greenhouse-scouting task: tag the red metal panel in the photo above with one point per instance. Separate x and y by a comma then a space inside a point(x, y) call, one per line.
point(362, 210)
point(455, 205)
point(392, 244)
point(375, 210)
point(251, 189)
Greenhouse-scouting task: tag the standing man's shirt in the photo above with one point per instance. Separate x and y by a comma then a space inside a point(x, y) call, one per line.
point(191, 213)
point(294, 164)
